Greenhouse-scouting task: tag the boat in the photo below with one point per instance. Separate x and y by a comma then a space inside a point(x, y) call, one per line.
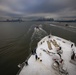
point(41, 60)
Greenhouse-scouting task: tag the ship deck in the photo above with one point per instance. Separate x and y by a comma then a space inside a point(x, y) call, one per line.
point(45, 50)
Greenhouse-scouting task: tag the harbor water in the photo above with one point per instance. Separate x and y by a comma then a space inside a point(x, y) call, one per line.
point(16, 37)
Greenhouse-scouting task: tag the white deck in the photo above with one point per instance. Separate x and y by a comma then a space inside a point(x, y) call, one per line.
point(35, 67)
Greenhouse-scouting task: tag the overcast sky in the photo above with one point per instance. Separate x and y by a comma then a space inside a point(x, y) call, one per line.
point(43, 8)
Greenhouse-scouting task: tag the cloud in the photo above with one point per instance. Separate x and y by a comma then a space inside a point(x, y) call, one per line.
point(46, 8)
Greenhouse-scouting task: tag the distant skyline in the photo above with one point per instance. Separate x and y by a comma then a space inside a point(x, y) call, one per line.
point(64, 9)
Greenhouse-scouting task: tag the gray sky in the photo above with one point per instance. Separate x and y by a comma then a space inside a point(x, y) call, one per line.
point(42, 8)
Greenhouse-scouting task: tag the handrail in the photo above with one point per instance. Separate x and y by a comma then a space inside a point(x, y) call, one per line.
point(22, 65)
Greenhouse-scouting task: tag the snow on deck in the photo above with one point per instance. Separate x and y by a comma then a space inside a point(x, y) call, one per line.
point(44, 67)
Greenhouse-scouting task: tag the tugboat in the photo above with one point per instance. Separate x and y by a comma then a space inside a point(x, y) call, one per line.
point(52, 56)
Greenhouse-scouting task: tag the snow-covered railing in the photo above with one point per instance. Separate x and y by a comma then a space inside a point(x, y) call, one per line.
point(22, 65)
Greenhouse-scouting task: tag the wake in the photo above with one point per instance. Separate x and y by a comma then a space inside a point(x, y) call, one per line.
point(69, 28)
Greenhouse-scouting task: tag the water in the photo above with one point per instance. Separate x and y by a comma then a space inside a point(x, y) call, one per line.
point(15, 39)
point(37, 35)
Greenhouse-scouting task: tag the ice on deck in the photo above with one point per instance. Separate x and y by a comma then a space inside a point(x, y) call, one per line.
point(44, 67)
